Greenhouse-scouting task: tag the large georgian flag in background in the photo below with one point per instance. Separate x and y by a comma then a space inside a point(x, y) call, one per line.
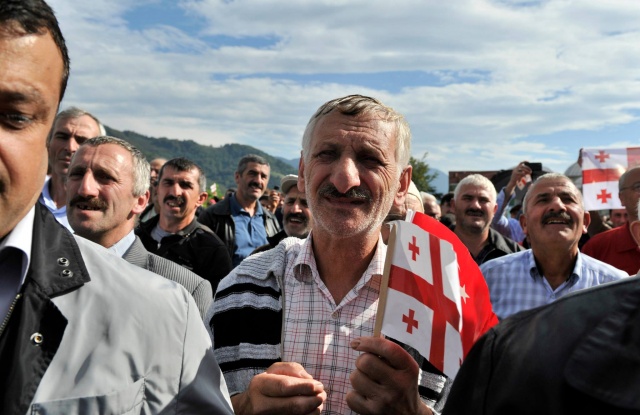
point(428, 304)
point(601, 170)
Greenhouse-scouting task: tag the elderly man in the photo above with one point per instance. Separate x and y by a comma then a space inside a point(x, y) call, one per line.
point(616, 246)
point(309, 305)
point(71, 128)
point(578, 354)
point(475, 205)
point(297, 220)
point(105, 211)
point(554, 219)
point(176, 234)
point(240, 220)
point(83, 330)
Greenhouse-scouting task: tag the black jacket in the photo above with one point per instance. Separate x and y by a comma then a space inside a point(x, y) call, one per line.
point(56, 268)
point(194, 247)
point(577, 355)
point(218, 218)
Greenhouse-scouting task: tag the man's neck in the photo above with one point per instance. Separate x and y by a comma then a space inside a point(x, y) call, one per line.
point(473, 241)
point(341, 262)
point(250, 206)
point(556, 264)
point(57, 190)
point(172, 225)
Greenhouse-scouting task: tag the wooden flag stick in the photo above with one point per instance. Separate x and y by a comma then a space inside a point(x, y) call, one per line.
point(384, 285)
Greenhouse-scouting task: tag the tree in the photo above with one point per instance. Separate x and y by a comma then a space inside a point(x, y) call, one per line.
point(421, 176)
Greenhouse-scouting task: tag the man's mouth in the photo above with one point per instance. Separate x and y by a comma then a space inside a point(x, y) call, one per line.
point(556, 219)
point(174, 201)
point(93, 204)
point(296, 219)
point(356, 195)
point(474, 213)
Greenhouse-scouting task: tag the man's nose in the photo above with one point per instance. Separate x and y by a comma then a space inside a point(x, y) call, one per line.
point(345, 175)
point(88, 185)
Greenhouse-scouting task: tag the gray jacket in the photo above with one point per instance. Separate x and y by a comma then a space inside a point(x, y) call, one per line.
point(91, 333)
point(199, 288)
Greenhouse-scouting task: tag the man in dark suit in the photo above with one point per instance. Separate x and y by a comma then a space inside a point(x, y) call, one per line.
point(107, 188)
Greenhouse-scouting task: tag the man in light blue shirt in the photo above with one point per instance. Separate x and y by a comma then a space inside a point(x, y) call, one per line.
point(553, 219)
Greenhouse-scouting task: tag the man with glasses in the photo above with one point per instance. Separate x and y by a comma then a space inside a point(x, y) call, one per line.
point(617, 247)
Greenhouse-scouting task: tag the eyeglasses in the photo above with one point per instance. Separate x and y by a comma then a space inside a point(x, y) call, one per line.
point(635, 187)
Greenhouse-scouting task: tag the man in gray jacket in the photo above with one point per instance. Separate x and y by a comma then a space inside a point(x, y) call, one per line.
point(82, 331)
point(104, 210)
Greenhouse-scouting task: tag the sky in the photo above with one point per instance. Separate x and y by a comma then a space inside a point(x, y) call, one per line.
point(484, 84)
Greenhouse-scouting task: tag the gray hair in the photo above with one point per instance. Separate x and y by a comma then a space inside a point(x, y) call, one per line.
point(623, 178)
point(354, 105)
point(250, 158)
point(547, 177)
point(73, 113)
point(141, 169)
point(477, 180)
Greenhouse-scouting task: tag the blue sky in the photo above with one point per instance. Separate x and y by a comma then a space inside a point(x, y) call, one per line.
point(484, 84)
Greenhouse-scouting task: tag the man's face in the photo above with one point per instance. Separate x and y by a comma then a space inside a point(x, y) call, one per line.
point(619, 217)
point(155, 165)
point(252, 182)
point(100, 202)
point(68, 134)
point(628, 196)
point(179, 194)
point(474, 209)
point(351, 175)
point(30, 80)
point(432, 209)
point(296, 216)
point(554, 215)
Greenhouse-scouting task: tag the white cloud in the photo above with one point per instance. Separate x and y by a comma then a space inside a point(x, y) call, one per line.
point(532, 70)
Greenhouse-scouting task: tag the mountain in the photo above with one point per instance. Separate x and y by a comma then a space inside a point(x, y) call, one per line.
point(218, 163)
point(441, 182)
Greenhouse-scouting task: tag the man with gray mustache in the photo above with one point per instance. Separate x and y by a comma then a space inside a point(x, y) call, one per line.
point(553, 219)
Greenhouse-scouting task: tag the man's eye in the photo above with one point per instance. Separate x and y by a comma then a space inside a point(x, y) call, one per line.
point(15, 121)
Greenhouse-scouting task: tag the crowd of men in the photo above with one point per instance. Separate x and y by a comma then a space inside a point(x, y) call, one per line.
point(120, 293)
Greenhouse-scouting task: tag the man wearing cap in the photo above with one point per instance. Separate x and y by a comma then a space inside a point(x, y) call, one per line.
point(296, 215)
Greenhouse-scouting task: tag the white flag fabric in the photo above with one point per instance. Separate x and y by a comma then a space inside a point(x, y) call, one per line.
point(601, 170)
point(423, 306)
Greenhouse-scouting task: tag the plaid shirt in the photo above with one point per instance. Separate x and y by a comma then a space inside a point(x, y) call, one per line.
point(317, 332)
point(516, 284)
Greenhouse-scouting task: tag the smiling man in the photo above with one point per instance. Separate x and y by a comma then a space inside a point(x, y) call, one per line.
point(308, 306)
point(175, 233)
point(240, 220)
point(474, 204)
point(553, 219)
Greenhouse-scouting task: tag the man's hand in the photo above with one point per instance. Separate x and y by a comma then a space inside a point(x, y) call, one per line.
point(385, 380)
point(285, 388)
point(517, 174)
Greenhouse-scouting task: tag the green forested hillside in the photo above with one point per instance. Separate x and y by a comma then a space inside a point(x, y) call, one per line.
point(218, 163)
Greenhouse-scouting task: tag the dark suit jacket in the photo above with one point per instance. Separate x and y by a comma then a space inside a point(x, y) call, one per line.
point(199, 288)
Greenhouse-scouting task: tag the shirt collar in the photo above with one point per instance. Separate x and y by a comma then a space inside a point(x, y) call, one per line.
point(20, 238)
point(120, 247)
point(534, 272)
point(236, 208)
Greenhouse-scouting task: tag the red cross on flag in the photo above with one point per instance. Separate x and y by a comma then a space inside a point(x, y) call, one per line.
point(601, 169)
point(437, 300)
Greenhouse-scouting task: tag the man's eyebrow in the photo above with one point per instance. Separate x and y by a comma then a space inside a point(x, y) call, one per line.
point(29, 94)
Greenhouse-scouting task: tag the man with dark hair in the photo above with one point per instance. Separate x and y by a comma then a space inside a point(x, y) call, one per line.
point(77, 335)
point(240, 220)
point(105, 211)
point(175, 233)
point(71, 128)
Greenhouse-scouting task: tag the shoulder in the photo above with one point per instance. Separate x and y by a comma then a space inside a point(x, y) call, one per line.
point(605, 237)
point(600, 267)
point(223, 207)
point(497, 265)
point(504, 243)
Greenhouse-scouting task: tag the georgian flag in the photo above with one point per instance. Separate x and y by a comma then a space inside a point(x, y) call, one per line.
point(601, 170)
point(437, 300)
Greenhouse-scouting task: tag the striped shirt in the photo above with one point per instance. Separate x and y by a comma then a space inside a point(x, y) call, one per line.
point(516, 284)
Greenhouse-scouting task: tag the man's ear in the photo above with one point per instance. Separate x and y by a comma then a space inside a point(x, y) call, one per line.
point(635, 230)
point(586, 221)
point(202, 197)
point(523, 224)
point(141, 203)
point(301, 173)
point(405, 181)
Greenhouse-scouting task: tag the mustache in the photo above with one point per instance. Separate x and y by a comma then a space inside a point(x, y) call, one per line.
point(556, 215)
point(178, 199)
point(360, 193)
point(255, 185)
point(471, 210)
point(91, 202)
point(296, 215)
